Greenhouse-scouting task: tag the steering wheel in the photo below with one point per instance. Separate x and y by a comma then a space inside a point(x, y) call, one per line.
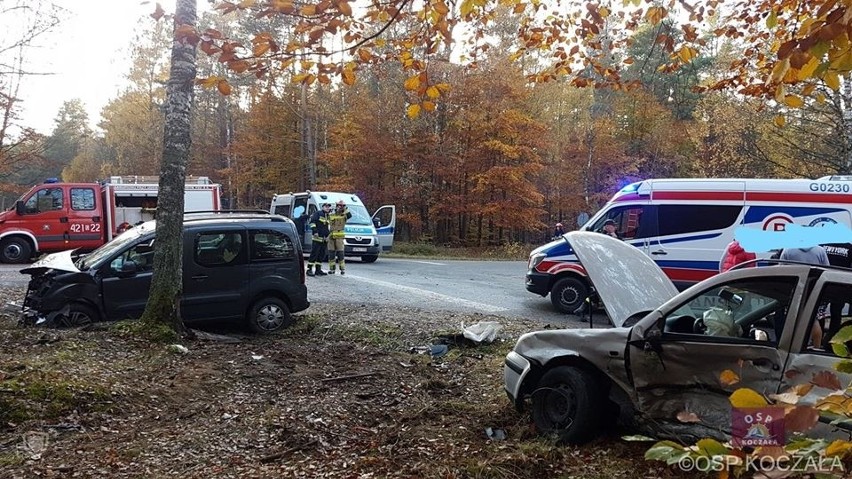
point(698, 327)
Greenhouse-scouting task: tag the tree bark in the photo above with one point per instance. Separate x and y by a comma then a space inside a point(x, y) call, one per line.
point(167, 284)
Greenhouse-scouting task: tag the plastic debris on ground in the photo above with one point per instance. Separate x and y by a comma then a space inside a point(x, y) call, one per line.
point(482, 332)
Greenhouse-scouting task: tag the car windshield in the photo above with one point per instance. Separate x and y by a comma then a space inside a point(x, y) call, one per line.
point(359, 215)
point(97, 256)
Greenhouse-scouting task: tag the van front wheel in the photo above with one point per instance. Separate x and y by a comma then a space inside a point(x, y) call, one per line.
point(15, 250)
point(568, 294)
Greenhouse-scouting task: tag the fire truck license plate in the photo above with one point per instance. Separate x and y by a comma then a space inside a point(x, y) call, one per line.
point(85, 228)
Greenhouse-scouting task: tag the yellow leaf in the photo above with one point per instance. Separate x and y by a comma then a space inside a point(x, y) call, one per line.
point(208, 82)
point(307, 65)
point(348, 77)
point(519, 8)
point(441, 7)
point(444, 87)
point(832, 80)
point(413, 111)
point(772, 20)
point(433, 92)
point(686, 54)
point(299, 78)
point(247, 3)
point(838, 448)
point(604, 12)
point(428, 105)
point(728, 378)
point(794, 101)
point(745, 397)
point(224, 87)
point(364, 55)
point(466, 8)
point(413, 83)
point(324, 79)
point(820, 98)
point(309, 10)
point(345, 8)
point(808, 69)
point(779, 70)
point(780, 121)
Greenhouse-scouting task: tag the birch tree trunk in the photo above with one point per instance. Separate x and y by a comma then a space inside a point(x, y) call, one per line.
point(167, 284)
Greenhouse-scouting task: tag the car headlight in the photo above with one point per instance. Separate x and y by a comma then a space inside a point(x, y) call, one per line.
point(536, 259)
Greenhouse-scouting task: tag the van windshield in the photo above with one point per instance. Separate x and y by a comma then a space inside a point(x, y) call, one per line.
point(359, 215)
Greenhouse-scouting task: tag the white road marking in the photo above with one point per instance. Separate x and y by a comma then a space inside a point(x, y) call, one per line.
point(432, 295)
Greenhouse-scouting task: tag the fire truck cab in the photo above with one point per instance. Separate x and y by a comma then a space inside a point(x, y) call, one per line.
point(56, 216)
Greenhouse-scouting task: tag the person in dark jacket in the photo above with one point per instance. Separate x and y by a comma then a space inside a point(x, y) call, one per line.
point(558, 231)
point(319, 236)
point(734, 255)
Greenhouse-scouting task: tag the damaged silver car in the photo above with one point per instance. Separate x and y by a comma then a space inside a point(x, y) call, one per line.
point(662, 360)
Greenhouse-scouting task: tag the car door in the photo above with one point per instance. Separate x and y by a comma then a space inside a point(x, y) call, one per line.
point(215, 275)
point(384, 219)
point(676, 368)
point(46, 214)
point(126, 294)
point(813, 364)
point(636, 224)
point(84, 226)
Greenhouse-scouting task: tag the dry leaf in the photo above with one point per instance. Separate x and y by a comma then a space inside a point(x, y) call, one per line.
point(686, 416)
point(728, 378)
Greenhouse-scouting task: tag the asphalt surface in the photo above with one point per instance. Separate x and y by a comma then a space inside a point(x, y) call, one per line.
point(487, 287)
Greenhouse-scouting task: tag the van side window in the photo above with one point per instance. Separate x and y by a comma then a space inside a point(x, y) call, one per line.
point(269, 245)
point(48, 199)
point(680, 219)
point(219, 249)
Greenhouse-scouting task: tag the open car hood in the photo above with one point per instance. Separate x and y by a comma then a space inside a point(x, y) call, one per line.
point(59, 261)
point(627, 281)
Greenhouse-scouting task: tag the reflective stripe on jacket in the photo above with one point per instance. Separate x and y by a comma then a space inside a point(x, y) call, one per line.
point(337, 221)
point(319, 224)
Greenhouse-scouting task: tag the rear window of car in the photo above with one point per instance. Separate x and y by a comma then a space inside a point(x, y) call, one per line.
point(271, 245)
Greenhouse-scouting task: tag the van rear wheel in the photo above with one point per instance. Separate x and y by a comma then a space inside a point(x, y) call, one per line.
point(568, 294)
point(269, 315)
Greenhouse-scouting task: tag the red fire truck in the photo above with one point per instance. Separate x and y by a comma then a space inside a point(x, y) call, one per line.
point(56, 216)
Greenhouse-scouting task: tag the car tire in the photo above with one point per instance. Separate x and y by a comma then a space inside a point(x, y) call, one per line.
point(15, 250)
point(370, 258)
point(568, 403)
point(568, 294)
point(269, 315)
point(80, 314)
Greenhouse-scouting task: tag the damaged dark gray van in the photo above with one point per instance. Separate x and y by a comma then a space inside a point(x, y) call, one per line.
point(237, 266)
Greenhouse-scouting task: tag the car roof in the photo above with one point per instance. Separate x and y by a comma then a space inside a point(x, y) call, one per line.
point(228, 217)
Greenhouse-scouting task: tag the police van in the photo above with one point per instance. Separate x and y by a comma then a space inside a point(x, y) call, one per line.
point(366, 236)
point(684, 225)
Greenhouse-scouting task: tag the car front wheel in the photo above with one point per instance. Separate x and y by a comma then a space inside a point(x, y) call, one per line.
point(80, 315)
point(568, 404)
point(568, 294)
point(269, 315)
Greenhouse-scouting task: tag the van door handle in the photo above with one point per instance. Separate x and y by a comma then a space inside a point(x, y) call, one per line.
point(200, 276)
point(659, 251)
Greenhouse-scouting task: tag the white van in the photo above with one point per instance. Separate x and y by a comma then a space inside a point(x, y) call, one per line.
point(366, 236)
point(684, 225)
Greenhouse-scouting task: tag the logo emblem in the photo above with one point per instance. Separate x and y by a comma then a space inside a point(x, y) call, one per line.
point(357, 238)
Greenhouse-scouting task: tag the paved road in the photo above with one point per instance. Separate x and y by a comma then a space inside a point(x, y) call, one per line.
point(488, 287)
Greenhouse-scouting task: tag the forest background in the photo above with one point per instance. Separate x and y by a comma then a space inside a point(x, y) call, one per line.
point(499, 160)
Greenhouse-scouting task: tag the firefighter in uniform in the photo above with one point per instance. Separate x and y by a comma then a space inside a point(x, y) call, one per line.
point(319, 235)
point(337, 221)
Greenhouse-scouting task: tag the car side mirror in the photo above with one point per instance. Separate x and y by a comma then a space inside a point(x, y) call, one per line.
point(19, 208)
point(653, 339)
point(127, 269)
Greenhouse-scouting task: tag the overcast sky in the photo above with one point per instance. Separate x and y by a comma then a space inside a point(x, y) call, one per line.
point(88, 56)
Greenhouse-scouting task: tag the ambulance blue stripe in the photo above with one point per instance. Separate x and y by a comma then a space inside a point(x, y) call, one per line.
point(756, 214)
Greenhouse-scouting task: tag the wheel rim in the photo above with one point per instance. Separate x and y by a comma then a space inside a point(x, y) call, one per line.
point(12, 251)
point(270, 317)
point(79, 318)
point(560, 407)
point(569, 296)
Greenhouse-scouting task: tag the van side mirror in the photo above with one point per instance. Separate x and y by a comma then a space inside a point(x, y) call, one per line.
point(377, 222)
point(19, 208)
